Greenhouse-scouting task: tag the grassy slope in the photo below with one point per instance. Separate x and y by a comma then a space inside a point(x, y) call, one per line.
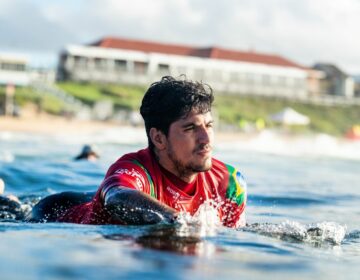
point(231, 109)
point(25, 95)
point(123, 97)
point(334, 120)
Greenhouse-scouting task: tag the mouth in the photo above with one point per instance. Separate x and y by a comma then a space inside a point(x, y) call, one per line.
point(204, 151)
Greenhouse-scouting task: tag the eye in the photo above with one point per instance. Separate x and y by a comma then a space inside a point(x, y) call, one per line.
point(189, 127)
point(210, 124)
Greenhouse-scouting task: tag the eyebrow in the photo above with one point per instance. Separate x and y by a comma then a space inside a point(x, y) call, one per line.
point(188, 124)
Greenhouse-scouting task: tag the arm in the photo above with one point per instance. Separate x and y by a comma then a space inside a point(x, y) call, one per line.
point(134, 207)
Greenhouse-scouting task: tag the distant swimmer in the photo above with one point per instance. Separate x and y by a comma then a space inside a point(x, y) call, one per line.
point(88, 152)
point(175, 173)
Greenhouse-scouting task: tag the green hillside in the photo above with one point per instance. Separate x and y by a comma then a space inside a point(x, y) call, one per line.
point(231, 110)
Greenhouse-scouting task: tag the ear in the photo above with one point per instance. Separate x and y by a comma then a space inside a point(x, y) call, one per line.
point(158, 138)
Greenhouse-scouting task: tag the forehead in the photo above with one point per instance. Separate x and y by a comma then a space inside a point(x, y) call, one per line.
point(194, 116)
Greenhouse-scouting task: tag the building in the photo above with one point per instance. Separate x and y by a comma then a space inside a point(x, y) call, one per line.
point(13, 70)
point(334, 81)
point(117, 60)
point(356, 85)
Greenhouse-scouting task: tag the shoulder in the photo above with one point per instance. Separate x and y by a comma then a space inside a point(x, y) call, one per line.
point(135, 160)
point(218, 165)
point(235, 183)
point(130, 171)
point(224, 168)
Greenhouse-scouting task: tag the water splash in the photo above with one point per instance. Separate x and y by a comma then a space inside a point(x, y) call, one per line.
point(188, 235)
point(317, 234)
point(204, 222)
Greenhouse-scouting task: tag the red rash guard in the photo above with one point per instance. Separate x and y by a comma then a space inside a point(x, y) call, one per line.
point(222, 184)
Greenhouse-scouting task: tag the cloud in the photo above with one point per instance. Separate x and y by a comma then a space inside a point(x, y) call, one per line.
point(24, 27)
point(305, 31)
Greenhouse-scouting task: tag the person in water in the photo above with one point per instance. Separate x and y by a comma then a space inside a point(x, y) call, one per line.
point(88, 152)
point(175, 173)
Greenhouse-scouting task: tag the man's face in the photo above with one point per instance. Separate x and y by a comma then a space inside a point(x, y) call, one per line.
point(189, 145)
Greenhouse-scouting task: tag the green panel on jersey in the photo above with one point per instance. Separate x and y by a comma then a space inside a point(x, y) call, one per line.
point(152, 187)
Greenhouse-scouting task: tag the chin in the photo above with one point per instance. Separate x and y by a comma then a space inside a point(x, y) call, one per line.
point(205, 166)
point(208, 166)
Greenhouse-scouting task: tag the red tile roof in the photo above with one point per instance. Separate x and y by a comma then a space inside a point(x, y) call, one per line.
point(212, 52)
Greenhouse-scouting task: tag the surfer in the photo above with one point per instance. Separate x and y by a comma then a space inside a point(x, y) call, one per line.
point(175, 173)
point(89, 153)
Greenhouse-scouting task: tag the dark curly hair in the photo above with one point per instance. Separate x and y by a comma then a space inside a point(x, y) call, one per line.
point(170, 99)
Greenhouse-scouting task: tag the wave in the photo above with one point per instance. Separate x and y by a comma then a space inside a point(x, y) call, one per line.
point(317, 234)
point(311, 145)
point(267, 141)
point(284, 201)
point(205, 223)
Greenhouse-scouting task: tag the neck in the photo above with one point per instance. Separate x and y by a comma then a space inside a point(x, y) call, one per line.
point(182, 173)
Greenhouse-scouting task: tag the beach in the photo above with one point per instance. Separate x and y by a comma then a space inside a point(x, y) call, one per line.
point(48, 124)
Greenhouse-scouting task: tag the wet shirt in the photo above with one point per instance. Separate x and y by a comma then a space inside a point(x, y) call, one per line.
point(222, 186)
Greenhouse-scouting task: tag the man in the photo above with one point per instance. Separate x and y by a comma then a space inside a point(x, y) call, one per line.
point(175, 173)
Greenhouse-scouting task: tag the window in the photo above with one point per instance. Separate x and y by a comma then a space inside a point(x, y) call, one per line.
point(266, 81)
point(140, 67)
point(9, 66)
point(120, 65)
point(250, 78)
point(80, 61)
point(281, 81)
point(163, 69)
point(100, 63)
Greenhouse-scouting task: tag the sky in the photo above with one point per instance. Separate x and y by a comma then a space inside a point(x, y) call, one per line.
point(304, 31)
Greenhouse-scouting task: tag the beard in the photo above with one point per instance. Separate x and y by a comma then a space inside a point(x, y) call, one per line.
point(186, 169)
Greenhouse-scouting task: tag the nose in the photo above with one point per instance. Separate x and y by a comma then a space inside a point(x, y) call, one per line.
point(205, 134)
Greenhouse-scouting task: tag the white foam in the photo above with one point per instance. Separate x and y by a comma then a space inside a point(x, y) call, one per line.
point(330, 232)
point(319, 233)
point(312, 145)
point(204, 222)
point(267, 141)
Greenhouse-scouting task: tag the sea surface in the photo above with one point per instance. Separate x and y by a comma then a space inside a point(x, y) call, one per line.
point(303, 214)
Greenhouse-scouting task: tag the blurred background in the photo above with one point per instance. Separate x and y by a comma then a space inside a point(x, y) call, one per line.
point(287, 66)
point(286, 79)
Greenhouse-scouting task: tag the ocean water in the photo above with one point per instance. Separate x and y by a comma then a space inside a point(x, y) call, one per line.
point(303, 214)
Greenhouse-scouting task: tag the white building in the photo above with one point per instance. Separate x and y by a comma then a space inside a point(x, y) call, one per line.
point(138, 62)
point(13, 70)
point(335, 81)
